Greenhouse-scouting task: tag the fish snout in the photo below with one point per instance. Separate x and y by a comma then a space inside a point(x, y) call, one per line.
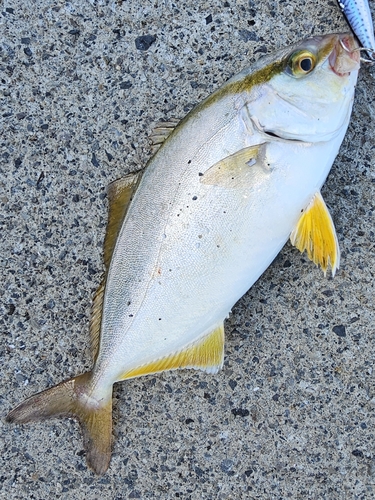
point(345, 56)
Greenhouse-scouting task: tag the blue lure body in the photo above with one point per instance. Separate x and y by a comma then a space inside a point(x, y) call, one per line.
point(358, 15)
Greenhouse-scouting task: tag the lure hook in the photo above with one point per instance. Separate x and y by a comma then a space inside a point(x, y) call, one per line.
point(370, 61)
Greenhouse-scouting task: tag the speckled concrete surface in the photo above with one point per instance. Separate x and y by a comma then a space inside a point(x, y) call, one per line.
point(291, 415)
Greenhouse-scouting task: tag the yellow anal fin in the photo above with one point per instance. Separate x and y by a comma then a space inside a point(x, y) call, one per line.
point(229, 171)
point(160, 133)
point(315, 233)
point(120, 193)
point(206, 354)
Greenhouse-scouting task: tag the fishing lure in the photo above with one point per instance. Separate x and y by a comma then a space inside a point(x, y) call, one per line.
point(358, 15)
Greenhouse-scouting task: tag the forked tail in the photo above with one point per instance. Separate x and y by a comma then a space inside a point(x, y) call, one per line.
point(71, 399)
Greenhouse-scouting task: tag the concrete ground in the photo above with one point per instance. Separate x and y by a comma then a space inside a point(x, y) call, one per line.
point(291, 415)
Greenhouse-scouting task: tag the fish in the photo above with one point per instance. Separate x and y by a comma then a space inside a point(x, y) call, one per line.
point(188, 236)
point(358, 15)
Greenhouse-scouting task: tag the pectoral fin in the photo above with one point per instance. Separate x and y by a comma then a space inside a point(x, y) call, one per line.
point(315, 233)
point(206, 354)
point(228, 171)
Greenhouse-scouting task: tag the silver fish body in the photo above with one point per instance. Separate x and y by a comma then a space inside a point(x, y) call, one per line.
point(216, 203)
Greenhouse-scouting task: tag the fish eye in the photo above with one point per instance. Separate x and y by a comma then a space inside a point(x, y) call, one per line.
point(301, 63)
point(306, 64)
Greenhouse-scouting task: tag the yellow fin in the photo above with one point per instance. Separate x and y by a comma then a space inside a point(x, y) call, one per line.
point(160, 133)
point(228, 171)
point(72, 398)
point(96, 319)
point(206, 354)
point(120, 193)
point(315, 233)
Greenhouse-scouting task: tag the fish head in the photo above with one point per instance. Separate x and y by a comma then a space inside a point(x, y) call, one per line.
point(308, 91)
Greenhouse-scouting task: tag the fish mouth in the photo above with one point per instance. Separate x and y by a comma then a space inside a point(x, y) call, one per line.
point(345, 56)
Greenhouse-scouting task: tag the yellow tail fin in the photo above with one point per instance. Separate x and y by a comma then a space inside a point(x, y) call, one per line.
point(71, 399)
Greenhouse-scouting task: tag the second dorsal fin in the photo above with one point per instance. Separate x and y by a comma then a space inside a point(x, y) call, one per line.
point(161, 131)
point(120, 193)
point(96, 319)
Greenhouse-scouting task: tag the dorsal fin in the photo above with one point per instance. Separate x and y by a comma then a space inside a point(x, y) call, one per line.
point(120, 193)
point(96, 319)
point(206, 354)
point(315, 233)
point(160, 132)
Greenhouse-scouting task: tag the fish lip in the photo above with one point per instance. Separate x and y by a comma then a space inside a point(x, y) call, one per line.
point(345, 56)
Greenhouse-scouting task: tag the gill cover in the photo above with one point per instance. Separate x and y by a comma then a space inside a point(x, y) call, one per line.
point(305, 87)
